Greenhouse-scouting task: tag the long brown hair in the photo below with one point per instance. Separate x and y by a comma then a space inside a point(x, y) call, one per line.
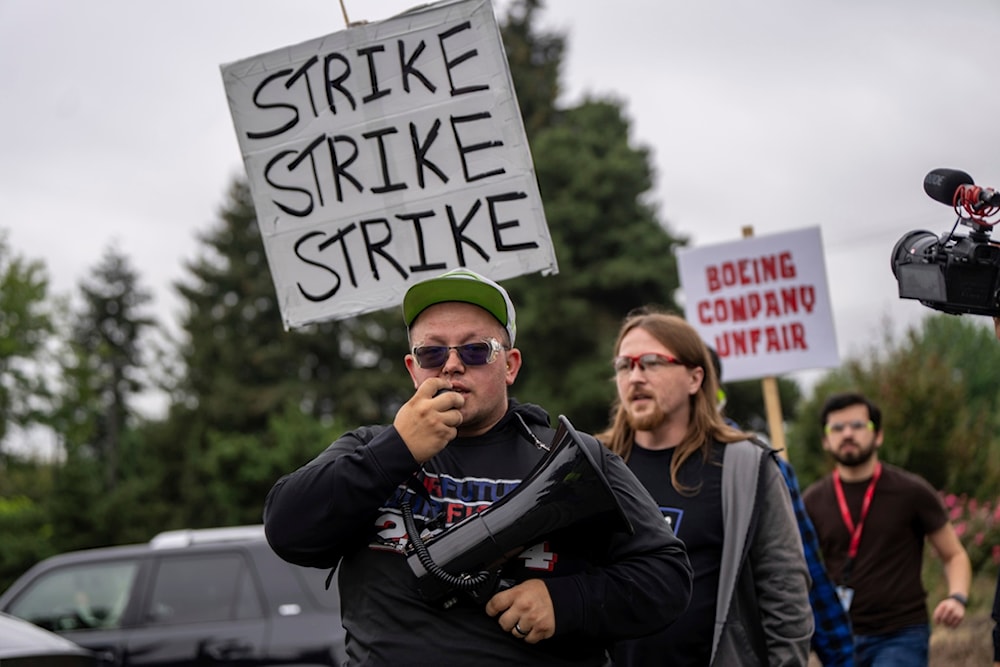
point(706, 422)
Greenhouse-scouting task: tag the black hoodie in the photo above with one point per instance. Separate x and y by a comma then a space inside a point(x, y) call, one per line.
point(345, 507)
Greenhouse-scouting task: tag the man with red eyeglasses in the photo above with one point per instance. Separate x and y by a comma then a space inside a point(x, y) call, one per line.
point(872, 519)
point(722, 493)
point(458, 445)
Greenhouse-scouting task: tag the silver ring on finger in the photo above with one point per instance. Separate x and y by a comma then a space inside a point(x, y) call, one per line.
point(520, 632)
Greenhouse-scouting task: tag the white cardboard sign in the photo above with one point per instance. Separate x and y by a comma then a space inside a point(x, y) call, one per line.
point(384, 154)
point(762, 303)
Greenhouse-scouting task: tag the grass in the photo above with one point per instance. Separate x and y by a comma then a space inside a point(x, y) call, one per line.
point(971, 643)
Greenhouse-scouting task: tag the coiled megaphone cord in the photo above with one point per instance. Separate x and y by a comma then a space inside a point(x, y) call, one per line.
point(462, 582)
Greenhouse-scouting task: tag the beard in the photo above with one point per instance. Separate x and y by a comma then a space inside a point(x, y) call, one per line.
point(855, 458)
point(647, 421)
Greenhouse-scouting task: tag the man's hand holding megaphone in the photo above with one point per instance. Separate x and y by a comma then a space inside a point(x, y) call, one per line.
point(525, 610)
point(430, 419)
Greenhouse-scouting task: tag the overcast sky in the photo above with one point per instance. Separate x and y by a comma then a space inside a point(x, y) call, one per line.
point(779, 114)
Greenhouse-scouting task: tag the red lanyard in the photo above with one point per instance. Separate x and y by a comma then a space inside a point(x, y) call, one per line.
point(845, 513)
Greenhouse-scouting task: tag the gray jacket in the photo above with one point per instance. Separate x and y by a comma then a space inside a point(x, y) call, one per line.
point(763, 615)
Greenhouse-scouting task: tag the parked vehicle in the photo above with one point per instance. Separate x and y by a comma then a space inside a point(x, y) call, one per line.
point(25, 645)
point(187, 597)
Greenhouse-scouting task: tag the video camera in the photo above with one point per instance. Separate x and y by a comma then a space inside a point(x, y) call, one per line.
point(952, 273)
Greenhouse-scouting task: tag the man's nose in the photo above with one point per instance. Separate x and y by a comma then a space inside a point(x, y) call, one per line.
point(454, 360)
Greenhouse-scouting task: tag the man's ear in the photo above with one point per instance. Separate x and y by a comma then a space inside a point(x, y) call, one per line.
point(697, 375)
point(411, 367)
point(513, 364)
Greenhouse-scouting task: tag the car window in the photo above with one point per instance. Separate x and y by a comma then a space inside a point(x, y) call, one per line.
point(78, 597)
point(314, 581)
point(200, 589)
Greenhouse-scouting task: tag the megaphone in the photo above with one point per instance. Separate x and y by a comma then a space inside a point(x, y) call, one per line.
point(565, 488)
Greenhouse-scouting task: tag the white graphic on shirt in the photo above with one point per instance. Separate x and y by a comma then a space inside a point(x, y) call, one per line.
point(539, 557)
point(448, 501)
point(673, 516)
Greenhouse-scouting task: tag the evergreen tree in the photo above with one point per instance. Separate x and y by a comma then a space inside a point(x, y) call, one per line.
point(27, 331)
point(103, 372)
point(26, 326)
point(242, 467)
point(107, 338)
point(26, 536)
point(535, 60)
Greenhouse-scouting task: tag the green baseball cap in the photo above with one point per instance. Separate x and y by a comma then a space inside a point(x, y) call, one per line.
point(465, 286)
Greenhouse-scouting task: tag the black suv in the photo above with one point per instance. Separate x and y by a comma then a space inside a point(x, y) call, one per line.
point(187, 597)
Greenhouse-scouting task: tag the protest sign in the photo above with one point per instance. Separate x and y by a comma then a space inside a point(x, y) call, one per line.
point(384, 154)
point(762, 303)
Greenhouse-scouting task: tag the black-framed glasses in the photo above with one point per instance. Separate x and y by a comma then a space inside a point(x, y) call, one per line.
point(625, 363)
point(471, 354)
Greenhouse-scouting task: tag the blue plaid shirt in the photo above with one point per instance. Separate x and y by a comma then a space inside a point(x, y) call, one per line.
point(832, 639)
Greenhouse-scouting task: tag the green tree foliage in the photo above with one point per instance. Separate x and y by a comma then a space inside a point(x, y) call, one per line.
point(243, 467)
point(27, 328)
point(103, 373)
point(106, 341)
point(26, 325)
point(535, 60)
point(158, 491)
point(939, 407)
point(27, 536)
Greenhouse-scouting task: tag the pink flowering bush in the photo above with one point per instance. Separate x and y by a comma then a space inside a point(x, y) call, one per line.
point(977, 524)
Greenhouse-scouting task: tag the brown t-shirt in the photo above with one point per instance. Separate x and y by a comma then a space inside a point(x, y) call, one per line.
point(888, 591)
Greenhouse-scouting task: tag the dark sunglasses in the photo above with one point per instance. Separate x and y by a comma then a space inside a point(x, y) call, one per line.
point(625, 363)
point(471, 354)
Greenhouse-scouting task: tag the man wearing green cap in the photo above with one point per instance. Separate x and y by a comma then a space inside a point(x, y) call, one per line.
point(458, 445)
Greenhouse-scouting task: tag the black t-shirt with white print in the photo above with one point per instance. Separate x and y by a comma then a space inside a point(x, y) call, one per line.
point(696, 518)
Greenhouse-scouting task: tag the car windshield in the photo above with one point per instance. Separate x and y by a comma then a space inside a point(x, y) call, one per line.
point(78, 597)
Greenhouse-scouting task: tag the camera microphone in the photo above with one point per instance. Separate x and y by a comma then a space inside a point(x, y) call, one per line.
point(942, 184)
point(953, 187)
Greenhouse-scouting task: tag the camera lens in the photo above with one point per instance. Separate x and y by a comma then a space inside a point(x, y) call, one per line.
point(915, 246)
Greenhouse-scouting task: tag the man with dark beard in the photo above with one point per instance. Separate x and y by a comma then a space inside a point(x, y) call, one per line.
point(872, 519)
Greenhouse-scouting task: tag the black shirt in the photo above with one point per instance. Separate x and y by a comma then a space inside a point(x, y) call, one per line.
point(697, 520)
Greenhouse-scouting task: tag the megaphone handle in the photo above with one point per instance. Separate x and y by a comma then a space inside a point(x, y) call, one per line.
point(493, 585)
point(462, 582)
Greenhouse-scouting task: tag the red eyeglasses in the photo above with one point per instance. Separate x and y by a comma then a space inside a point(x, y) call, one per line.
point(648, 361)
